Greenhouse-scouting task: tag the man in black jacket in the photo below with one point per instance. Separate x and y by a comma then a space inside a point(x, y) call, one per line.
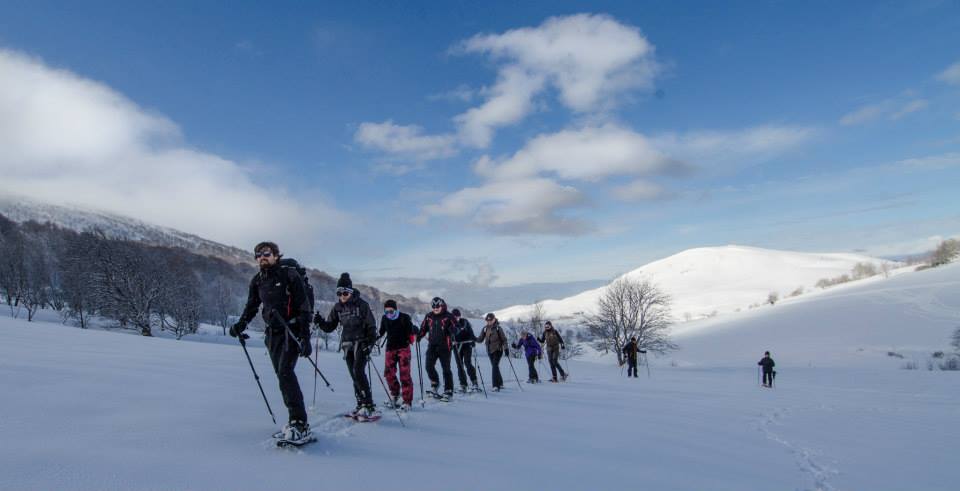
point(400, 332)
point(463, 342)
point(630, 351)
point(356, 340)
point(767, 363)
point(281, 290)
point(438, 328)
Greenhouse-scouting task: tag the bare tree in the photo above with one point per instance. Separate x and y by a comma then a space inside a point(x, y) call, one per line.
point(945, 252)
point(773, 297)
point(631, 308)
point(537, 318)
point(956, 339)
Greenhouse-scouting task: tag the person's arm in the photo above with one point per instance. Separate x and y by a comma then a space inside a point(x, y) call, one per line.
point(253, 303)
point(383, 328)
point(483, 334)
point(411, 329)
point(423, 329)
point(299, 302)
point(332, 321)
point(562, 344)
point(470, 335)
point(370, 323)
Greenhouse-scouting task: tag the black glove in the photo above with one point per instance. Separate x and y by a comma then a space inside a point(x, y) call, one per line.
point(540, 356)
point(238, 328)
point(318, 318)
point(563, 347)
point(305, 348)
point(506, 352)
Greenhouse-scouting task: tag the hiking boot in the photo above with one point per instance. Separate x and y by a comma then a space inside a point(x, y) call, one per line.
point(554, 380)
point(367, 412)
point(296, 430)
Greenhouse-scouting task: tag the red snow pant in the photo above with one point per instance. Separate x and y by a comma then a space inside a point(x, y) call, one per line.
point(399, 357)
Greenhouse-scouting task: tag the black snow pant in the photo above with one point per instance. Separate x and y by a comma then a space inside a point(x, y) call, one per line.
point(464, 359)
point(554, 356)
point(356, 357)
point(495, 367)
point(443, 354)
point(532, 368)
point(768, 378)
point(283, 355)
point(632, 365)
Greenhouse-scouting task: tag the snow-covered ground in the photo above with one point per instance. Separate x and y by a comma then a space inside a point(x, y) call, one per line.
point(97, 410)
point(708, 281)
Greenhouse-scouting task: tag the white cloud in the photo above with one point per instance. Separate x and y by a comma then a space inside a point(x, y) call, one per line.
point(891, 109)
point(515, 207)
point(587, 154)
point(589, 59)
point(641, 190)
point(405, 141)
point(951, 74)
point(463, 93)
point(70, 140)
point(933, 162)
point(718, 150)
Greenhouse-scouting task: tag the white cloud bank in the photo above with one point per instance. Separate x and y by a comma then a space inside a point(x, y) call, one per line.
point(70, 140)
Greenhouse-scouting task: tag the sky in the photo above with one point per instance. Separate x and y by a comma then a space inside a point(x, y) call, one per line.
point(498, 143)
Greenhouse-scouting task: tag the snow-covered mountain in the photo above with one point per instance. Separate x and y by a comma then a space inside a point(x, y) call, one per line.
point(715, 280)
point(22, 209)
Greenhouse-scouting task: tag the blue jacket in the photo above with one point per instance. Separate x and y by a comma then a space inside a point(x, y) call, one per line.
point(530, 346)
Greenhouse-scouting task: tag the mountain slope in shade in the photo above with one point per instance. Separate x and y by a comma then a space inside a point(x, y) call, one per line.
point(20, 209)
point(716, 280)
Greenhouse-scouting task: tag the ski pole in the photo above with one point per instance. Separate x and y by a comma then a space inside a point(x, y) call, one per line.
point(476, 362)
point(514, 372)
point(387, 392)
point(316, 355)
point(758, 377)
point(243, 344)
point(420, 371)
point(274, 314)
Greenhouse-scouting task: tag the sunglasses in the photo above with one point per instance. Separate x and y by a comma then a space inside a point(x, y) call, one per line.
point(262, 254)
point(344, 292)
point(389, 311)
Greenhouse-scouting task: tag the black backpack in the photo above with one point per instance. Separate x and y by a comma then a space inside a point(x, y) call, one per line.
point(288, 264)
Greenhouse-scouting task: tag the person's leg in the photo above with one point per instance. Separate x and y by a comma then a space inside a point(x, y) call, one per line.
point(405, 377)
point(531, 369)
point(431, 363)
point(284, 358)
point(466, 354)
point(447, 373)
point(461, 374)
point(391, 359)
point(349, 356)
point(495, 368)
point(360, 377)
point(552, 358)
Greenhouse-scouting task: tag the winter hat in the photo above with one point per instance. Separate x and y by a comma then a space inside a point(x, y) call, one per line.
point(390, 304)
point(437, 302)
point(490, 317)
point(344, 281)
point(548, 324)
point(455, 312)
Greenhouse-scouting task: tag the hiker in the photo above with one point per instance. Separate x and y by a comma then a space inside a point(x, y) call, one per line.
point(400, 333)
point(630, 351)
point(767, 364)
point(496, 343)
point(280, 290)
point(532, 351)
point(357, 338)
point(438, 328)
point(554, 343)
point(463, 343)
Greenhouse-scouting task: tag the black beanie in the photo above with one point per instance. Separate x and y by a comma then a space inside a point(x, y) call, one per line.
point(390, 304)
point(455, 312)
point(344, 281)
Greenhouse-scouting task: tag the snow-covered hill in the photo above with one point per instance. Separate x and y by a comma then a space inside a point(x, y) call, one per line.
point(22, 209)
point(85, 409)
point(715, 280)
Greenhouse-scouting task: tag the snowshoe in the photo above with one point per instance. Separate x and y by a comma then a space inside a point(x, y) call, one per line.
point(368, 414)
point(295, 434)
point(392, 404)
point(475, 389)
point(463, 389)
point(406, 407)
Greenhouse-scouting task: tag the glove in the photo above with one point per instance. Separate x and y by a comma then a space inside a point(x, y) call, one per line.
point(238, 328)
point(318, 318)
point(563, 347)
point(305, 348)
point(506, 352)
point(540, 356)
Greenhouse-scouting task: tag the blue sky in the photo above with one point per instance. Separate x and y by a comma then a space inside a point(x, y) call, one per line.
point(499, 144)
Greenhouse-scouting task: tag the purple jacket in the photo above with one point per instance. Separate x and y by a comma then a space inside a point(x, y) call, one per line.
point(530, 346)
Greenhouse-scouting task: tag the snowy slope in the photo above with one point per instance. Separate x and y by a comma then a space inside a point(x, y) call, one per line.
point(21, 209)
point(715, 279)
point(99, 410)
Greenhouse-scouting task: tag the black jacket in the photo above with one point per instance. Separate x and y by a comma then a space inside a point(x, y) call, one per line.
point(631, 349)
point(438, 328)
point(279, 289)
point(767, 363)
point(400, 331)
point(356, 318)
point(463, 332)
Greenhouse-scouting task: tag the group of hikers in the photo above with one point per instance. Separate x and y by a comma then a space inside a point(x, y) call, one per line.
point(281, 291)
point(284, 297)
